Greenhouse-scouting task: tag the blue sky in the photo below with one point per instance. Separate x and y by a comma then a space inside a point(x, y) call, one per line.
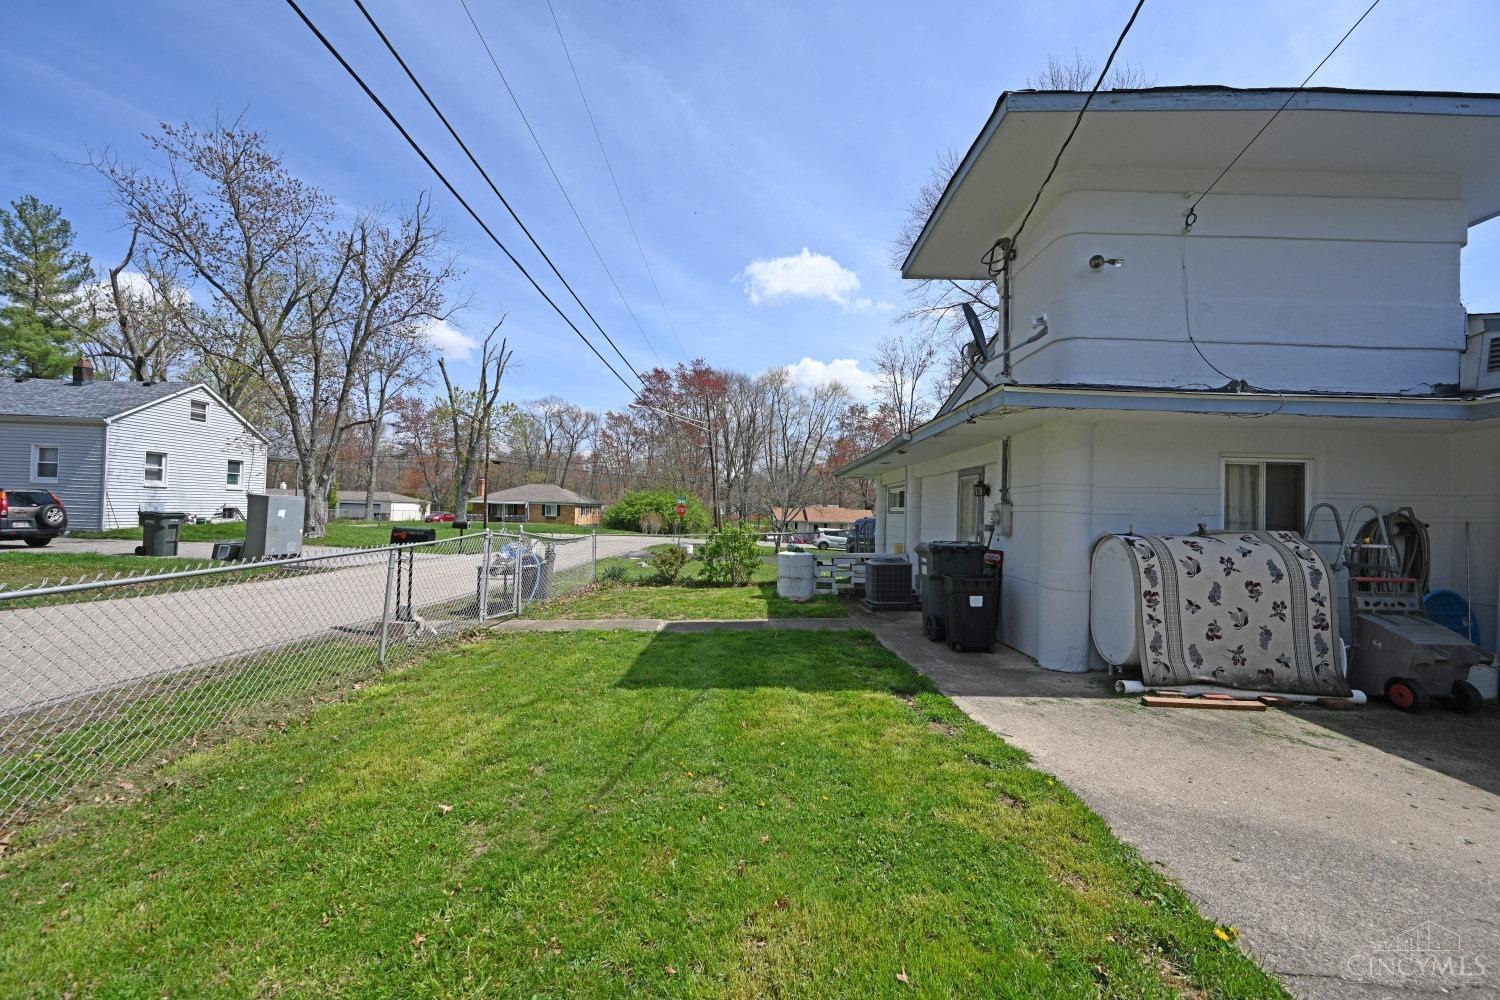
point(742, 134)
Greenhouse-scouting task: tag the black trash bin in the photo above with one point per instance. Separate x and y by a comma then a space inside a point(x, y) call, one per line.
point(934, 607)
point(160, 530)
point(954, 558)
point(972, 612)
point(943, 559)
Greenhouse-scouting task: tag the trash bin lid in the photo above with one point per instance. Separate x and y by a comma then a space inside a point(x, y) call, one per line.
point(954, 546)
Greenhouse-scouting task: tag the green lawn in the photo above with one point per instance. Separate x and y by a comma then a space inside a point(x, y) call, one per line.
point(638, 596)
point(29, 568)
point(344, 534)
point(607, 814)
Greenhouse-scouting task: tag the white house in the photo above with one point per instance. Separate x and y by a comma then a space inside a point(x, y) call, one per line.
point(110, 449)
point(381, 506)
point(1302, 341)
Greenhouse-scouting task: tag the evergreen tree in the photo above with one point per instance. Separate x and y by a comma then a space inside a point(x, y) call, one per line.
point(42, 281)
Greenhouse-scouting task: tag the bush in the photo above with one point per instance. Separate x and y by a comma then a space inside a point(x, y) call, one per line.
point(668, 561)
point(627, 515)
point(614, 573)
point(730, 556)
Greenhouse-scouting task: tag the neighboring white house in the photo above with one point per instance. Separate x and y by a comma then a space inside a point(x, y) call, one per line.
point(110, 449)
point(1302, 341)
point(383, 506)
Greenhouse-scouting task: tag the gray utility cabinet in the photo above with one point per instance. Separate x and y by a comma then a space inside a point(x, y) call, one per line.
point(273, 526)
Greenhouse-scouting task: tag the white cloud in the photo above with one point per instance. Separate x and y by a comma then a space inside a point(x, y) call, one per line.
point(134, 285)
point(451, 342)
point(845, 371)
point(806, 275)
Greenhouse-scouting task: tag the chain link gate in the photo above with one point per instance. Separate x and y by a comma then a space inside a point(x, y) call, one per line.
point(99, 674)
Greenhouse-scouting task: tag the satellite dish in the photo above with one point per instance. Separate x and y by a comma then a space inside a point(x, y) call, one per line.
point(981, 348)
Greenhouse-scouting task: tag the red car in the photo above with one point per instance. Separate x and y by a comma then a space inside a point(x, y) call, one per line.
point(439, 517)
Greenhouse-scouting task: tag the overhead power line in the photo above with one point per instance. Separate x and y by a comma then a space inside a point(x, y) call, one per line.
point(485, 174)
point(333, 50)
point(1016, 237)
point(562, 188)
point(1192, 212)
point(615, 181)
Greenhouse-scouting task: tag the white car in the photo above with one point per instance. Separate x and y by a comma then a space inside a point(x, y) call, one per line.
point(828, 538)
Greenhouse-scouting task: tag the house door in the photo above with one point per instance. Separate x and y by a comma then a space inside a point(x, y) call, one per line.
point(970, 504)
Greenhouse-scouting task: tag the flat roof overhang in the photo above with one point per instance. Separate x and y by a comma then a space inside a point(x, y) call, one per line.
point(962, 429)
point(1449, 141)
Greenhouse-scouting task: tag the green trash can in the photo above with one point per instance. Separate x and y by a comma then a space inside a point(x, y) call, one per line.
point(160, 530)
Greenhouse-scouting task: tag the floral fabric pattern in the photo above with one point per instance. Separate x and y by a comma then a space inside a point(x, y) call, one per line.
point(1242, 609)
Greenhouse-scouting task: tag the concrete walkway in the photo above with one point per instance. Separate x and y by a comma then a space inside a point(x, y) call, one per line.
point(1324, 836)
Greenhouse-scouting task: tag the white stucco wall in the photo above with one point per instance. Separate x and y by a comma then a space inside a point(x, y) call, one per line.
point(1079, 475)
point(1286, 289)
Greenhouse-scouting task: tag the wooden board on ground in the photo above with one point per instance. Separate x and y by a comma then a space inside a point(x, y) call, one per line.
point(1233, 705)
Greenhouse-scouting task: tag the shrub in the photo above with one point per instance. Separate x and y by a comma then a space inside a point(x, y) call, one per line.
point(668, 561)
point(730, 555)
point(652, 523)
point(627, 515)
point(613, 573)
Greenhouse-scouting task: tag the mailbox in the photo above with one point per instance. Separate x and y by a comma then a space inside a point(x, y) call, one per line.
point(406, 536)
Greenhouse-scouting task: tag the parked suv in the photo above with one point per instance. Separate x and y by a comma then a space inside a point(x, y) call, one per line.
point(34, 516)
point(831, 538)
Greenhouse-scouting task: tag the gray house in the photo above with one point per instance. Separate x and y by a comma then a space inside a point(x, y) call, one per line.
point(109, 449)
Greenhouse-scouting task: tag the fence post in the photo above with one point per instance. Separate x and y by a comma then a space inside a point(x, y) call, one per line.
point(385, 609)
point(484, 579)
point(594, 556)
point(519, 576)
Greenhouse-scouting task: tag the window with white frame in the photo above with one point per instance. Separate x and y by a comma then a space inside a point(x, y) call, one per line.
point(46, 460)
point(1264, 494)
point(895, 499)
point(232, 472)
point(156, 468)
point(549, 510)
point(198, 411)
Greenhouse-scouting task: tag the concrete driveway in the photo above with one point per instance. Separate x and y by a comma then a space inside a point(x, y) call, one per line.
point(1357, 852)
point(108, 547)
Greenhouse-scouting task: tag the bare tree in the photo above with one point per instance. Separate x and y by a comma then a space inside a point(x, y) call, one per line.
point(575, 429)
point(740, 425)
point(393, 365)
point(264, 246)
point(901, 363)
point(1080, 74)
point(471, 410)
point(801, 423)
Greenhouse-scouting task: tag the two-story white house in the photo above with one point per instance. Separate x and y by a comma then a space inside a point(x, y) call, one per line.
point(1303, 340)
point(111, 449)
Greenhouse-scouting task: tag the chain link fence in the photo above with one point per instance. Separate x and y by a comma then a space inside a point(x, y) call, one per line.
point(101, 674)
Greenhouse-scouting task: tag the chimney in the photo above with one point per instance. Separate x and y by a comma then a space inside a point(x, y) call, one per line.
point(83, 371)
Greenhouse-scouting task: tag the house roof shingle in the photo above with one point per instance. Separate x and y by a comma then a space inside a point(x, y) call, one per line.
point(539, 493)
point(60, 398)
point(833, 515)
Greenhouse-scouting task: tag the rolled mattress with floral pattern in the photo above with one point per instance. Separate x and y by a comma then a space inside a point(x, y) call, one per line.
point(1244, 609)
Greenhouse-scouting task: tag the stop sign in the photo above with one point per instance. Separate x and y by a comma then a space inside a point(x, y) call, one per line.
point(681, 509)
